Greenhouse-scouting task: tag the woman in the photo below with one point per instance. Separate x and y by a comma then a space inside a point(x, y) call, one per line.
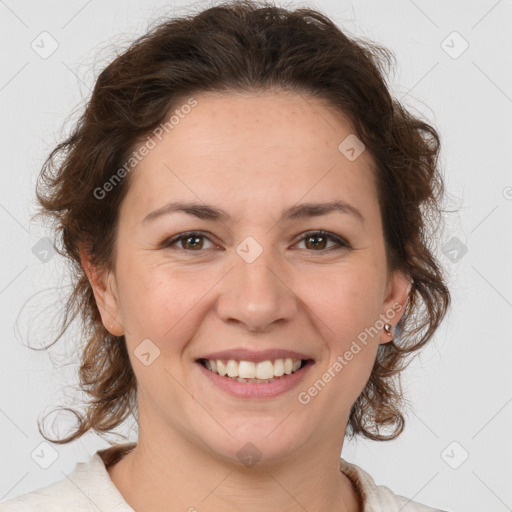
point(247, 210)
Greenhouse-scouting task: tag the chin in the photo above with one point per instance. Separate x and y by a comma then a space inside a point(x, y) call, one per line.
point(257, 441)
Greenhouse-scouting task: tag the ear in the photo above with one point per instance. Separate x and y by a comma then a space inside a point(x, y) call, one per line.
point(397, 294)
point(104, 287)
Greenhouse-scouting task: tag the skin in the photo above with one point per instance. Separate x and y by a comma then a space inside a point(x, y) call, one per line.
point(252, 155)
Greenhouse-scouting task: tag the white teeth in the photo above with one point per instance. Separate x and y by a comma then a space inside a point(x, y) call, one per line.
point(248, 371)
point(232, 368)
point(264, 370)
point(278, 367)
point(221, 368)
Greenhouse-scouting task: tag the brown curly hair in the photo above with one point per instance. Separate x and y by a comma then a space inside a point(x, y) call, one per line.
point(245, 46)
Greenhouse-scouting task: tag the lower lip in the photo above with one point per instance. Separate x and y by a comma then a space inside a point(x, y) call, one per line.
point(257, 390)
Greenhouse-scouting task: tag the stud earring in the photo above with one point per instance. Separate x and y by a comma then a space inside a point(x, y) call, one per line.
point(387, 328)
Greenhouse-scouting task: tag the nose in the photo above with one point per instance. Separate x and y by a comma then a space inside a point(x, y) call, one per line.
point(256, 295)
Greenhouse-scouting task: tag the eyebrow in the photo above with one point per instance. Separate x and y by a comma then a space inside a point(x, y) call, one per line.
point(210, 212)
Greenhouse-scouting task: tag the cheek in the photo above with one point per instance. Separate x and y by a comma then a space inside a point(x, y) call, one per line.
point(161, 303)
point(348, 310)
point(348, 301)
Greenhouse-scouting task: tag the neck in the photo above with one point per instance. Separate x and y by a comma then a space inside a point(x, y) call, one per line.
point(171, 473)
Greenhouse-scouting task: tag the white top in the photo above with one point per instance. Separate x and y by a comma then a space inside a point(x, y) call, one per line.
point(89, 488)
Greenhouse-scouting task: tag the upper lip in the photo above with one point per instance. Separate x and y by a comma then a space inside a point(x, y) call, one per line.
point(242, 354)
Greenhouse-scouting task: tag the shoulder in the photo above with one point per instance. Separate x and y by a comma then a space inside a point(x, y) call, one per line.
point(87, 488)
point(379, 498)
point(61, 495)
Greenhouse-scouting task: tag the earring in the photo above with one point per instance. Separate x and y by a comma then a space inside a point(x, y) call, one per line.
point(387, 328)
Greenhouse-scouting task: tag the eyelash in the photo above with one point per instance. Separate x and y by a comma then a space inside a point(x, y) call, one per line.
point(342, 244)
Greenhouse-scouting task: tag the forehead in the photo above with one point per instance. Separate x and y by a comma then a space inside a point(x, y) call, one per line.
point(260, 150)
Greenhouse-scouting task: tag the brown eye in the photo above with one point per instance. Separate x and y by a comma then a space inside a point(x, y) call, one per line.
point(190, 242)
point(317, 241)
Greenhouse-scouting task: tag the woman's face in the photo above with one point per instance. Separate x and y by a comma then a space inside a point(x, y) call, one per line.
point(252, 279)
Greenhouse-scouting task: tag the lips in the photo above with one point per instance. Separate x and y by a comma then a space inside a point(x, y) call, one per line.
point(265, 373)
point(249, 389)
point(242, 354)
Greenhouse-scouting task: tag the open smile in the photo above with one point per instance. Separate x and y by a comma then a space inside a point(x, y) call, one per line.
point(249, 379)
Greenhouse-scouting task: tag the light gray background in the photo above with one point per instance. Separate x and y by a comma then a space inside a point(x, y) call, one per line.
point(461, 384)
